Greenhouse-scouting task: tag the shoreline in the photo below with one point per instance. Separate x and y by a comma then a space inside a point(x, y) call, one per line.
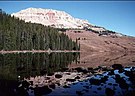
point(58, 51)
point(36, 51)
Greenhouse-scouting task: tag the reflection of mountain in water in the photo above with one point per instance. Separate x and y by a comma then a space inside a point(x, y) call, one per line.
point(105, 58)
point(28, 64)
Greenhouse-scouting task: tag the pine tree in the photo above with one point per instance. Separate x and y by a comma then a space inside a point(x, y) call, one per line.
point(16, 34)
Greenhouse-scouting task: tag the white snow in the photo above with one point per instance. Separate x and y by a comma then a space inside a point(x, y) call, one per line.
point(50, 17)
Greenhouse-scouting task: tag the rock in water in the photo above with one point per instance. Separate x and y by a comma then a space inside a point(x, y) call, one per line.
point(117, 66)
point(58, 76)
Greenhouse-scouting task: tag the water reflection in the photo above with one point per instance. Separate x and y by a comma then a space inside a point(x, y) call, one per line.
point(28, 64)
point(60, 73)
point(105, 58)
point(15, 68)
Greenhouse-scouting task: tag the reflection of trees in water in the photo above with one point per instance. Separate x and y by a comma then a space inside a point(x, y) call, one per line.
point(28, 64)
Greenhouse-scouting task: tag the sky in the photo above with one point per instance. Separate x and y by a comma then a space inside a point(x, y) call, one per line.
point(117, 16)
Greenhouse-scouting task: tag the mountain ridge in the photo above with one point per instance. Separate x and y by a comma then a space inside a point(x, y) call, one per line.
point(54, 18)
point(49, 17)
point(60, 19)
point(91, 37)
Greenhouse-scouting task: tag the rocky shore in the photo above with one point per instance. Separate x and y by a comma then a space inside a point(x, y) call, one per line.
point(82, 80)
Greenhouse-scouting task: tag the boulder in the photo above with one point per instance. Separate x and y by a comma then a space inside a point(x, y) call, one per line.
point(117, 66)
point(58, 76)
point(52, 86)
point(70, 80)
point(80, 69)
point(77, 77)
point(65, 86)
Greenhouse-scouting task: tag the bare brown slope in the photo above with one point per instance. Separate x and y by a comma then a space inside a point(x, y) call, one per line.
point(103, 50)
point(92, 42)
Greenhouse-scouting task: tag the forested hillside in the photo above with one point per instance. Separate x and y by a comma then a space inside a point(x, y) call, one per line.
point(16, 34)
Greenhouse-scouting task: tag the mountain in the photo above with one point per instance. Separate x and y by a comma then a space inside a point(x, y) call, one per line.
point(54, 18)
point(91, 37)
point(59, 19)
point(50, 17)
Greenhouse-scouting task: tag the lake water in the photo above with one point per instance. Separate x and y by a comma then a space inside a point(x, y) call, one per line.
point(40, 74)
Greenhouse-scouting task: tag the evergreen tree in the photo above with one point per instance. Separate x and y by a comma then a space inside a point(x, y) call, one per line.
point(17, 34)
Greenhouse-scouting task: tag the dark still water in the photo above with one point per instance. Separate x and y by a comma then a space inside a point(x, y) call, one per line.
point(28, 64)
point(41, 74)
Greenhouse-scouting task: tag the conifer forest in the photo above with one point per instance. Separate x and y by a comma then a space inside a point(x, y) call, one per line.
point(16, 34)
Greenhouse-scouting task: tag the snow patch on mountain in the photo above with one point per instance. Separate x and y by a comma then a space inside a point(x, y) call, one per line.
point(53, 18)
point(60, 19)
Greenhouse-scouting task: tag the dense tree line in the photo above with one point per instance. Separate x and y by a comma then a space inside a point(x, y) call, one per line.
point(16, 34)
point(28, 64)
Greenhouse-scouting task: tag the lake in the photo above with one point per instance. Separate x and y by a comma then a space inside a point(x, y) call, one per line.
point(71, 73)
